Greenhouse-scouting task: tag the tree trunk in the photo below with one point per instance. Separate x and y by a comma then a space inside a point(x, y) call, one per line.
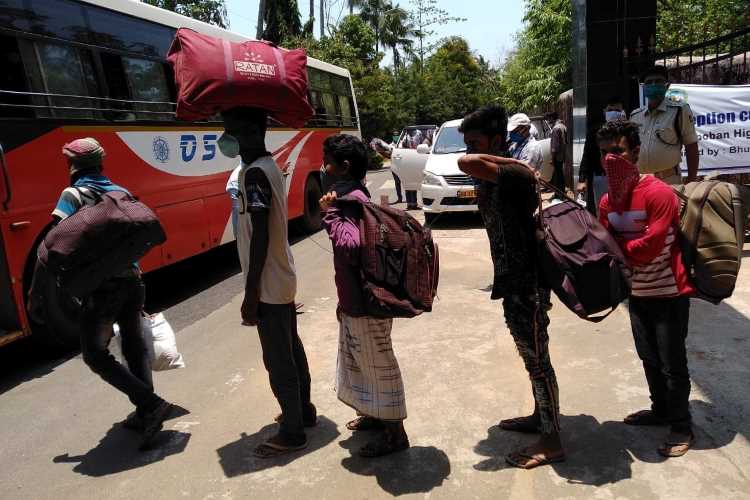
point(261, 17)
point(322, 18)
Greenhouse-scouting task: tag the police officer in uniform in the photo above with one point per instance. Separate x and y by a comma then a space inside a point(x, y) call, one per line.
point(665, 127)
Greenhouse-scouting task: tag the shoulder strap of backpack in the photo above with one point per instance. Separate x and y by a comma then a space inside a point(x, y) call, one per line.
point(96, 194)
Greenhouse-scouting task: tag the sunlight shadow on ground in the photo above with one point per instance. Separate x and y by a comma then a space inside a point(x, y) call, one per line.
point(237, 458)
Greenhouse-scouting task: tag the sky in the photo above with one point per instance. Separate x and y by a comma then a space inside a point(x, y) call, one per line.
point(490, 26)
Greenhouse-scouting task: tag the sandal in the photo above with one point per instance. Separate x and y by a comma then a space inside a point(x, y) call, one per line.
point(525, 425)
point(644, 417)
point(525, 460)
point(365, 423)
point(677, 445)
point(277, 446)
point(385, 445)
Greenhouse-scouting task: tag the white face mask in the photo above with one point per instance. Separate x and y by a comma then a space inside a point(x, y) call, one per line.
point(614, 115)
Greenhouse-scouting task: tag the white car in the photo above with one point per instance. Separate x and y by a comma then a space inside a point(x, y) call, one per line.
point(406, 162)
point(444, 187)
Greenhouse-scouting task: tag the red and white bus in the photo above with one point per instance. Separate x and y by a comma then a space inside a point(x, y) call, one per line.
point(76, 68)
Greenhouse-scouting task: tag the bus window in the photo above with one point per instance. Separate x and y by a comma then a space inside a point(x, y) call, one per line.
point(15, 15)
point(58, 18)
point(12, 79)
point(329, 103)
point(62, 70)
point(148, 83)
point(122, 32)
point(346, 111)
point(117, 87)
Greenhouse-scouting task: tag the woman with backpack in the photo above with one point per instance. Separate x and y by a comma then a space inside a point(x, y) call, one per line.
point(368, 377)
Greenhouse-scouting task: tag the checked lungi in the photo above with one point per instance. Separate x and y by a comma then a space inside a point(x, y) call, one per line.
point(367, 374)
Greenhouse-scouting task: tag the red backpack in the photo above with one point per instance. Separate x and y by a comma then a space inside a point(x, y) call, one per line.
point(213, 75)
point(399, 261)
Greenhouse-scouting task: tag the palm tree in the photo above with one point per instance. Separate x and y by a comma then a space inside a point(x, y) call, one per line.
point(372, 12)
point(397, 32)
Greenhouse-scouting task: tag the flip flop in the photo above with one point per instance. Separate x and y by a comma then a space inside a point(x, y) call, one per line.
point(524, 425)
point(365, 423)
point(269, 449)
point(644, 418)
point(676, 445)
point(532, 460)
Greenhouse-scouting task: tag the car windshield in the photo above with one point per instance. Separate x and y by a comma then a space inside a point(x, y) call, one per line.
point(450, 140)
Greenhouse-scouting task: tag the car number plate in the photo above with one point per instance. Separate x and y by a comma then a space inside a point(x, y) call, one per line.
point(469, 193)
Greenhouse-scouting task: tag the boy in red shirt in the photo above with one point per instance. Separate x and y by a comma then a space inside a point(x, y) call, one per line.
point(642, 213)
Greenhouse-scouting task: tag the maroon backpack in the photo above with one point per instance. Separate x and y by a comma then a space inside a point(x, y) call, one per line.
point(399, 261)
point(99, 241)
point(581, 261)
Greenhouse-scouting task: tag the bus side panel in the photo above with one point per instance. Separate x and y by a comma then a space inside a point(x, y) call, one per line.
point(186, 225)
point(218, 211)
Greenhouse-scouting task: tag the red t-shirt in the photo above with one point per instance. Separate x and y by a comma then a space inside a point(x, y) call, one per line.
point(647, 233)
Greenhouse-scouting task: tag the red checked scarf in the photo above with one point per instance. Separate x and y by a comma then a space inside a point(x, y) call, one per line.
point(622, 177)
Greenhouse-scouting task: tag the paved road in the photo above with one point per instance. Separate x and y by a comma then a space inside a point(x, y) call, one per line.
point(461, 372)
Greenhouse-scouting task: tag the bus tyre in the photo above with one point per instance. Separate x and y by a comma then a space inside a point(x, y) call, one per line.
point(57, 329)
point(311, 219)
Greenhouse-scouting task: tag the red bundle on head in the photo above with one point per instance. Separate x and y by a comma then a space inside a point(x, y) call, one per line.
point(213, 75)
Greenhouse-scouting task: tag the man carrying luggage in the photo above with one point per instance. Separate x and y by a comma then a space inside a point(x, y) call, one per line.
point(118, 300)
point(270, 278)
point(368, 377)
point(507, 201)
point(642, 212)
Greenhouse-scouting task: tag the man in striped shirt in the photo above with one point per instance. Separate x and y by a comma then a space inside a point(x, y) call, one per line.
point(642, 213)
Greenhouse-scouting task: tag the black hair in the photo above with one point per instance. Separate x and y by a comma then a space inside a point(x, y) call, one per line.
point(657, 69)
point(615, 99)
point(244, 113)
point(345, 147)
point(552, 116)
point(613, 131)
point(490, 121)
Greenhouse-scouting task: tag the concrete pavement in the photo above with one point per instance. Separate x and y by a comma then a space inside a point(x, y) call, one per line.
point(461, 373)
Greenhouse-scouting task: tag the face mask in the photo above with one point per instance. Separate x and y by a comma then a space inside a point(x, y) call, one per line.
point(655, 91)
point(516, 137)
point(614, 115)
point(228, 145)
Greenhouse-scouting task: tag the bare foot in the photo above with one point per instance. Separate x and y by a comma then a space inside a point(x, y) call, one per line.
point(527, 425)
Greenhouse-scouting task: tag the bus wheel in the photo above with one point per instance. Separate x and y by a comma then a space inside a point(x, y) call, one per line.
point(59, 327)
point(311, 220)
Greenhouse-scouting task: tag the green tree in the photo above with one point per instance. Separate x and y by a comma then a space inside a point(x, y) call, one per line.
point(681, 22)
point(397, 33)
point(539, 69)
point(209, 11)
point(282, 20)
point(424, 15)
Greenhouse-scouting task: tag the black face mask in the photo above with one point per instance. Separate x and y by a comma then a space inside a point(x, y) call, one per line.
point(327, 180)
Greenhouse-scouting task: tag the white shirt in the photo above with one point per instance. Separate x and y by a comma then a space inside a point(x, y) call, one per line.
point(278, 281)
point(233, 184)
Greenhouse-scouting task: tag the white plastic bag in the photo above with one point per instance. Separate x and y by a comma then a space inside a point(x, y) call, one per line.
point(160, 342)
point(160, 337)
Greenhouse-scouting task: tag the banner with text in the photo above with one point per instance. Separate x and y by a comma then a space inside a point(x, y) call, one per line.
point(722, 120)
